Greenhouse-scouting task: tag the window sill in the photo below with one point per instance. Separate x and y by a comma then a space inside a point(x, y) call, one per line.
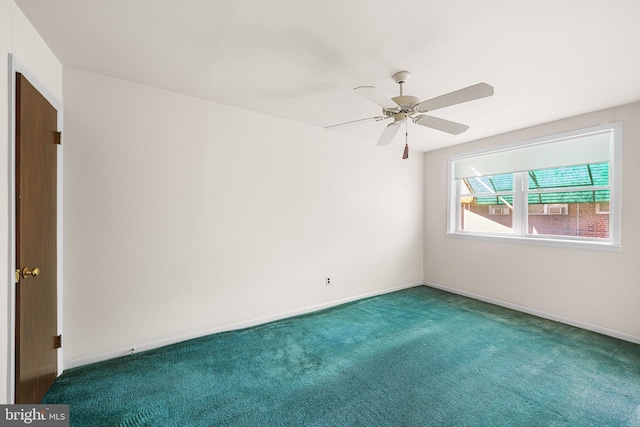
point(541, 241)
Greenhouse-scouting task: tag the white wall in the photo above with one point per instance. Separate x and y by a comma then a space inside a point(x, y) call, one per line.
point(184, 216)
point(17, 37)
point(595, 289)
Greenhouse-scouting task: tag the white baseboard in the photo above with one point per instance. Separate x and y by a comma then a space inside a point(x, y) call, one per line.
point(577, 323)
point(73, 363)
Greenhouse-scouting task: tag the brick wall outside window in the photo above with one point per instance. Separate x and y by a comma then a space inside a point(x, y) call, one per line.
point(581, 220)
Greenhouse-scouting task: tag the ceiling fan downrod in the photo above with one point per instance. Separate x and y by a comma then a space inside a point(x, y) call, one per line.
point(401, 78)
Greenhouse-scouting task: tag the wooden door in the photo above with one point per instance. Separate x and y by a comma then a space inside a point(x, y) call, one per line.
point(36, 208)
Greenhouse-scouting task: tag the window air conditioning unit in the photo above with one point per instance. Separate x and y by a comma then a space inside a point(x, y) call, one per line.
point(554, 209)
point(498, 210)
point(558, 209)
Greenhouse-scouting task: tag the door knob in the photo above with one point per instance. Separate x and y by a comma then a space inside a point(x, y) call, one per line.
point(26, 272)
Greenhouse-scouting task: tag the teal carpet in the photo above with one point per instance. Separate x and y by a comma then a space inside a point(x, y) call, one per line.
point(416, 357)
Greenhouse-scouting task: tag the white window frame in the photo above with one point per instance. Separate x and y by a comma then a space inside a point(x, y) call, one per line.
point(520, 214)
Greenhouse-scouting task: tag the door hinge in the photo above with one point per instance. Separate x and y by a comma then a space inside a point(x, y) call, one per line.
point(57, 341)
point(57, 139)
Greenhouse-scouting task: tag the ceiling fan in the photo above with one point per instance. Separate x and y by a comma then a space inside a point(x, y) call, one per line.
point(404, 107)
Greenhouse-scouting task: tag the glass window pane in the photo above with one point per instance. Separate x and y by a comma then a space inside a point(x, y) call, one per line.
point(579, 214)
point(486, 218)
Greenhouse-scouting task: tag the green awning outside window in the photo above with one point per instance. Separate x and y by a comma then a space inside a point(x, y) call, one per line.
point(590, 175)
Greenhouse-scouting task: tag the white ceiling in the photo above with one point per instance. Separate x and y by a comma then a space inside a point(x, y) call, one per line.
point(300, 59)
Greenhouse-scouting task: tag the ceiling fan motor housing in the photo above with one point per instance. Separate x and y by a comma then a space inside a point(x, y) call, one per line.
point(400, 117)
point(406, 103)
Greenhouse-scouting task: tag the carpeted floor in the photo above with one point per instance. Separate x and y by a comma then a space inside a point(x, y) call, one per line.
point(417, 357)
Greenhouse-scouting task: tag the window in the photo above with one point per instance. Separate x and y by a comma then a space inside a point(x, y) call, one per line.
point(560, 189)
point(602, 208)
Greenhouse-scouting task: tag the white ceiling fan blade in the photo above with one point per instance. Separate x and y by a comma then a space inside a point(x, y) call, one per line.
point(389, 133)
point(440, 124)
point(480, 90)
point(355, 122)
point(372, 94)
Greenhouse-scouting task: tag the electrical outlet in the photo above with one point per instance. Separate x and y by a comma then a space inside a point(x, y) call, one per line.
point(327, 281)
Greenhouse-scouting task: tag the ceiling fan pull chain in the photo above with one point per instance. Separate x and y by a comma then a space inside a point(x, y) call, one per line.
point(405, 155)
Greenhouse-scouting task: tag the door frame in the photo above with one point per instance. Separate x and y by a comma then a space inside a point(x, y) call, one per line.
point(16, 67)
